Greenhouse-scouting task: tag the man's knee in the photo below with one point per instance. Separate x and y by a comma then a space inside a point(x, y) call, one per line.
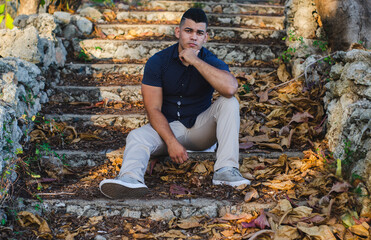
point(229, 104)
point(144, 135)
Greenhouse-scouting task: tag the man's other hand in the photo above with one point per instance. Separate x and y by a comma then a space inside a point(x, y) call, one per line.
point(189, 56)
point(177, 152)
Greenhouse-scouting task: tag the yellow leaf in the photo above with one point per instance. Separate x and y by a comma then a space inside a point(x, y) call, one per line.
point(1, 18)
point(227, 233)
point(286, 185)
point(8, 21)
point(200, 168)
point(33, 118)
point(2, 9)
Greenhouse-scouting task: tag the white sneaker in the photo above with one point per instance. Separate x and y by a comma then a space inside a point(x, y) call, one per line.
point(123, 187)
point(229, 176)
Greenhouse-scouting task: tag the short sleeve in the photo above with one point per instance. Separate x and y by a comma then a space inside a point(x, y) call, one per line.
point(215, 62)
point(152, 72)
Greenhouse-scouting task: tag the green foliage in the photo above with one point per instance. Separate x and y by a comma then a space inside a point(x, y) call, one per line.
point(42, 3)
point(83, 56)
point(198, 5)
point(287, 55)
point(246, 89)
point(4, 14)
point(347, 156)
point(107, 3)
point(323, 45)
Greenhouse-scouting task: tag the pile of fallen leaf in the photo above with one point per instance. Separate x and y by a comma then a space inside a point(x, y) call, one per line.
point(310, 203)
point(278, 113)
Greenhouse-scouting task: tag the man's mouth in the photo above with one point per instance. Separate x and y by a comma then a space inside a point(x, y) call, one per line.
point(192, 45)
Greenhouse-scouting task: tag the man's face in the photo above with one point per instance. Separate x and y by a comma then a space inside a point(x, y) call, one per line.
point(191, 35)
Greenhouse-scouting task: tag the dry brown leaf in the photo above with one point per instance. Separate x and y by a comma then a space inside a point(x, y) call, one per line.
point(263, 96)
point(37, 135)
point(200, 168)
point(322, 232)
point(259, 138)
point(228, 233)
point(26, 219)
point(271, 145)
point(188, 223)
point(88, 136)
point(300, 117)
point(95, 220)
point(277, 113)
point(280, 185)
point(171, 234)
point(360, 230)
point(253, 194)
point(282, 207)
point(282, 73)
point(286, 233)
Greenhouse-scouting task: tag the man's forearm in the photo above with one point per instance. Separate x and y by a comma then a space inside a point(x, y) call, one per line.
point(222, 81)
point(161, 125)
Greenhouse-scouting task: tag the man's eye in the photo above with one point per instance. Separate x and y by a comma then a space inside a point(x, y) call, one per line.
point(188, 30)
point(200, 33)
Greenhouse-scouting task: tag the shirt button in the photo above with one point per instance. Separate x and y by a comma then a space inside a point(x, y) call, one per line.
point(182, 84)
point(181, 96)
point(179, 103)
point(177, 113)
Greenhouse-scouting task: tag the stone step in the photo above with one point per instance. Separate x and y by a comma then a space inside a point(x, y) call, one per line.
point(215, 19)
point(80, 158)
point(78, 136)
point(93, 94)
point(137, 69)
point(216, 7)
point(228, 52)
point(128, 120)
point(156, 209)
point(230, 34)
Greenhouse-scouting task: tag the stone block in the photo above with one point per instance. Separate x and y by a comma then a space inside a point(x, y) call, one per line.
point(162, 214)
point(63, 18)
point(91, 13)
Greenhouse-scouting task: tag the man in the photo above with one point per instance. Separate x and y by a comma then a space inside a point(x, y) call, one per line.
point(177, 89)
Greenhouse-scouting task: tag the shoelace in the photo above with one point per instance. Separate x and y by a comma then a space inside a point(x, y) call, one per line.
point(235, 172)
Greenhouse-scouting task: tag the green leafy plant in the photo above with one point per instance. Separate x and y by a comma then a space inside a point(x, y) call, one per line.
point(198, 5)
point(323, 45)
point(5, 15)
point(347, 156)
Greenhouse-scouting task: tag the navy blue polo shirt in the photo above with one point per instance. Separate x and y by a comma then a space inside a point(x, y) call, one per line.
point(186, 93)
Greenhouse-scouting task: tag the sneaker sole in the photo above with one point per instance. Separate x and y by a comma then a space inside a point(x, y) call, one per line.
point(118, 191)
point(233, 184)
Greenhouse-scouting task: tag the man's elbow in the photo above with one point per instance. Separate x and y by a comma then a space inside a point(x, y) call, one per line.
point(230, 92)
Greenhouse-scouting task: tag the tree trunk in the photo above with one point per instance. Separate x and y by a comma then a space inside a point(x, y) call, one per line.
point(28, 7)
point(346, 22)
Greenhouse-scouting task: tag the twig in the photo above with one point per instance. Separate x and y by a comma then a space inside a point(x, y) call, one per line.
point(255, 235)
point(55, 194)
point(306, 68)
point(303, 74)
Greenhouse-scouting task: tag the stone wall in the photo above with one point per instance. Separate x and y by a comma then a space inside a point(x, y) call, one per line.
point(348, 104)
point(21, 95)
point(28, 53)
point(347, 100)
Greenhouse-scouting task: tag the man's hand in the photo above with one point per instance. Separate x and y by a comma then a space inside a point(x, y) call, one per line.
point(177, 152)
point(189, 56)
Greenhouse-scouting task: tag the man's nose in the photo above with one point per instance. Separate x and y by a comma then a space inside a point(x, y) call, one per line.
point(193, 35)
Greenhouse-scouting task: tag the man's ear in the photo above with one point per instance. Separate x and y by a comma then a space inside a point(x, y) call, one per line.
point(206, 37)
point(177, 31)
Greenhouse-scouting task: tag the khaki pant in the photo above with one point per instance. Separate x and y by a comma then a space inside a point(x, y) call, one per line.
point(219, 123)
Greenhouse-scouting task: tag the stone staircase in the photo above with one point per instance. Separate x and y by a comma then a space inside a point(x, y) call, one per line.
point(240, 34)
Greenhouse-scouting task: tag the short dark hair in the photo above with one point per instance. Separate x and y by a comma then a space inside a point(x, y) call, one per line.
point(195, 14)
